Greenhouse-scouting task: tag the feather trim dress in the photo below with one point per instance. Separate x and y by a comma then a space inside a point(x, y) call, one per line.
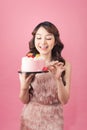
point(44, 111)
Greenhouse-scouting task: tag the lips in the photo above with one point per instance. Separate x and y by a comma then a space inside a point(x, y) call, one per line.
point(43, 47)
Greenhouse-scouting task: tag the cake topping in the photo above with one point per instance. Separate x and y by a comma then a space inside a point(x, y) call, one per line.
point(45, 69)
point(30, 55)
point(37, 55)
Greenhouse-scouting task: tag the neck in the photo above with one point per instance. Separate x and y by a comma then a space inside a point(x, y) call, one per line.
point(47, 57)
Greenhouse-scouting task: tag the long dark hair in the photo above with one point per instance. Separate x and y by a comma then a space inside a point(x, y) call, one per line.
point(58, 47)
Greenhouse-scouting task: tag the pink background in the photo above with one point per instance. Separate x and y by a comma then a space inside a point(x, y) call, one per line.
point(17, 20)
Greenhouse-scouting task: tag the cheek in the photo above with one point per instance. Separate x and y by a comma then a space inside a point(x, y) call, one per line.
point(52, 45)
point(36, 43)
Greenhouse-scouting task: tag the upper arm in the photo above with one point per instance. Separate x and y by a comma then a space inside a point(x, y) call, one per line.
point(67, 76)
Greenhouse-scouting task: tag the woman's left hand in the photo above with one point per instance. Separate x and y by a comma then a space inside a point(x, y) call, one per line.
point(56, 68)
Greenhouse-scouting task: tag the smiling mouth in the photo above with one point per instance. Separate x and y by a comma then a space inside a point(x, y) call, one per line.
point(43, 47)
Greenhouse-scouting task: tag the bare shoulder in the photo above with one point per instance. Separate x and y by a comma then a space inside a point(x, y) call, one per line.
point(67, 65)
point(67, 73)
point(68, 69)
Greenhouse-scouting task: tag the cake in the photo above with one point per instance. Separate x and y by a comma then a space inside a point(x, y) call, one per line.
point(32, 64)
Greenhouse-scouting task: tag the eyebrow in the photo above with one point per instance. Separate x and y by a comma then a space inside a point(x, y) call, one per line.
point(49, 34)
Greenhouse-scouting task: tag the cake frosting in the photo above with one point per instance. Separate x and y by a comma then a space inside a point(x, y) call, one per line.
point(32, 64)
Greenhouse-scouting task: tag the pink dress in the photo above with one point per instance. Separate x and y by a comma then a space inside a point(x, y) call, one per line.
point(44, 111)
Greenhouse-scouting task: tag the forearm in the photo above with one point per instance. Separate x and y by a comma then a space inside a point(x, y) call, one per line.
point(24, 95)
point(63, 94)
point(25, 86)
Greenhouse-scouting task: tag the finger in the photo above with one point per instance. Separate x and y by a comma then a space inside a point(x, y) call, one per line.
point(60, 64)
point(21, 75)
point(54, 62)
point(51, 67)
point(62, 69)
point(30, 77)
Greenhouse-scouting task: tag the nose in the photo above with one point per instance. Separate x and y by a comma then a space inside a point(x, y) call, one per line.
point(43, 41)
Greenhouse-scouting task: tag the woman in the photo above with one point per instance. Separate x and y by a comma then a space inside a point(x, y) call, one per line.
point(45, 94)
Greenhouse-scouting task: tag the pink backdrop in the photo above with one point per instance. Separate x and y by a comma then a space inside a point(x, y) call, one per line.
point(17, 19)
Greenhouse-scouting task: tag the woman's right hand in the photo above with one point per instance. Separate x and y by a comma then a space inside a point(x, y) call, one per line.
point(25, 80)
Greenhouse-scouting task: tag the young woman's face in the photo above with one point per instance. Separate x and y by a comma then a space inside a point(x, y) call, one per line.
point(44, 41)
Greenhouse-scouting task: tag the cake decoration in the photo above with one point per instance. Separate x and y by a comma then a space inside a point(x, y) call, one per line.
point(30, 55)
point(45, 69)
point(33, 63)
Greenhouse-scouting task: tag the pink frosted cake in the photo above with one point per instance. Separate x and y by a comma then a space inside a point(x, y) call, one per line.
point(32, 64)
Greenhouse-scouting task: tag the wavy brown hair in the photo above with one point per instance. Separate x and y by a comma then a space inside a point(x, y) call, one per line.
point(58, 47)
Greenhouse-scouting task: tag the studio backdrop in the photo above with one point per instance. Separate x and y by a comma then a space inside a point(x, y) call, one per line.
point(17, 20)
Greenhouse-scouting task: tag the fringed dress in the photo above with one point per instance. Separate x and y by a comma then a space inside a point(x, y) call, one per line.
point(44, 111)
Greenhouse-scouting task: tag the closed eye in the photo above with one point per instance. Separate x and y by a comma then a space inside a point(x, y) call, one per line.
point(38, 38)
point(48, 38)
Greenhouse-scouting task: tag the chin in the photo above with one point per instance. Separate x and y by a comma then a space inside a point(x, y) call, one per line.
point(44, 52)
